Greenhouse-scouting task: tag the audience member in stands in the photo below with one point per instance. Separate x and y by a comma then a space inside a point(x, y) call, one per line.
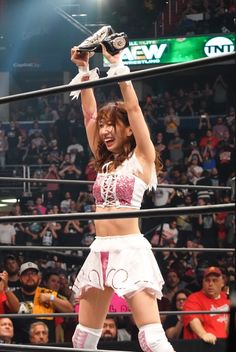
point(6, 331)
point(51, 281)
point(173, 324)
point(3, 148)
point(173, 284)
point(109, 330)
point(33, 229)
point(7, 234)
point(12, 267)
point(49, 235)
point(52, 173)
point(172, 124)
point(207, 327)
point(38, 333)
point(220, 128)
point(112, 332)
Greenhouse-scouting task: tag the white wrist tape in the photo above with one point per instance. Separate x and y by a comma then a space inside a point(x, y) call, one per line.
point(118, 69)
point(91, 75)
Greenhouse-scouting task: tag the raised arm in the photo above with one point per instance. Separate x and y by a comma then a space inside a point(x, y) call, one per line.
point(144, 145)
point(89, 105)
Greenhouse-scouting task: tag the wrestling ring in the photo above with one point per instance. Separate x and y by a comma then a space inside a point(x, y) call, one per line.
point(170, 212)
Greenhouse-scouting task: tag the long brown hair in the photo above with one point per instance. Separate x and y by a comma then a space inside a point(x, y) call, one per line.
point(116, 113)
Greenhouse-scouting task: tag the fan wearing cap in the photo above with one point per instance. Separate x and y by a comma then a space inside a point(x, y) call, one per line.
point(207, 327)
point(32, 298)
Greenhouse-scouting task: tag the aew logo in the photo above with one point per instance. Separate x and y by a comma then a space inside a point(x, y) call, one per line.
point(144, 53)
point(218, 46)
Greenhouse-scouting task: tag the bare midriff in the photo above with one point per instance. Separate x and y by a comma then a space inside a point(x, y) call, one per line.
point(116, 227)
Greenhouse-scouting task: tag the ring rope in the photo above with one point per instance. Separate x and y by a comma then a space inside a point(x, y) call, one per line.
point(206, 209)
point(162, 70)
point(156, 249)
point(45, 180)
point(163, 312)
point(32, 348)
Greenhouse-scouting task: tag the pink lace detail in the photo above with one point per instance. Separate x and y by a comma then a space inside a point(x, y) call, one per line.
point(143, 342)
point(108, 190)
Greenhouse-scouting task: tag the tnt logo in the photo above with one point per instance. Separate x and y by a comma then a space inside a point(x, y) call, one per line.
point(218, 46)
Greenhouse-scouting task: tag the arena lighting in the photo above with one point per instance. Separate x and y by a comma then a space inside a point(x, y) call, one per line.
point(9, 201)
point(2, 205)
point(80, 15)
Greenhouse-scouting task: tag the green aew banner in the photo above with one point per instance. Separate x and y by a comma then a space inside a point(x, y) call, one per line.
point(174, 50)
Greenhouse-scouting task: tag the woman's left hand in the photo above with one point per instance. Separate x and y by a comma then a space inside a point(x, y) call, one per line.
point(111, 58)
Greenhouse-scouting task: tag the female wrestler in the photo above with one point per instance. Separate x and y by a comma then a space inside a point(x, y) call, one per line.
point(120, 259)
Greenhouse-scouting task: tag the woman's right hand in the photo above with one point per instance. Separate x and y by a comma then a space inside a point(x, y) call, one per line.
point(79, 58)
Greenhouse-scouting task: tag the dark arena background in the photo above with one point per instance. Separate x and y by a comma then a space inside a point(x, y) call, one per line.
point(181, 56)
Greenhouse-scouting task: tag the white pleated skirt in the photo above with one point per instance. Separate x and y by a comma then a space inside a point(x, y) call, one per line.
point(124, 263)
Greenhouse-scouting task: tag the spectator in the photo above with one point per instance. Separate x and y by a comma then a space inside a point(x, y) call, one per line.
point(33, 230)
point(175, 147)
point(230, 119)
point(6, 330)
point(50, 232)
point(168, 233)
point(224, 160)
point(173, 284)
point(54, 153)
point(65, 203)
point(39, 206)
point(208, 139)
point(109, 331)
point(71, 172)
point(160, 146)
point(13, 138)
point(194, 169)
point(172, 123)
point(89, 233)
point(112, 332)
point(173, 324)
point(219, 95)
point(7, 234)
point(11, 265)
point(19, 227)
point(207, 225)
point(51, 280)
point(209, 160)
point(8, 301)
point(3, 148)
point(76, 151)
point(90, 171)
point(162, 196)
point(35, 129)
point(219, 128)
point(38, 333)
point(72, 233)
point(204, 124)
point(52, 173)
point(207, 327)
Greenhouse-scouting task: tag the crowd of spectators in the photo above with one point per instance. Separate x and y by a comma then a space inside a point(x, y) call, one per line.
point(204, 17)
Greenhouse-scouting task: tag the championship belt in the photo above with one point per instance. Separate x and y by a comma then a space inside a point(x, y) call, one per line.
point(113, 42)
point(116, 42)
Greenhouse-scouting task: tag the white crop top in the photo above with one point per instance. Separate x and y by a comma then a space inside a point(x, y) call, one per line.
point(122, 188)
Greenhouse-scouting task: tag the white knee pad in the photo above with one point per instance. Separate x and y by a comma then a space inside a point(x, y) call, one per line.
point(85, 337)
point(152, 338)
